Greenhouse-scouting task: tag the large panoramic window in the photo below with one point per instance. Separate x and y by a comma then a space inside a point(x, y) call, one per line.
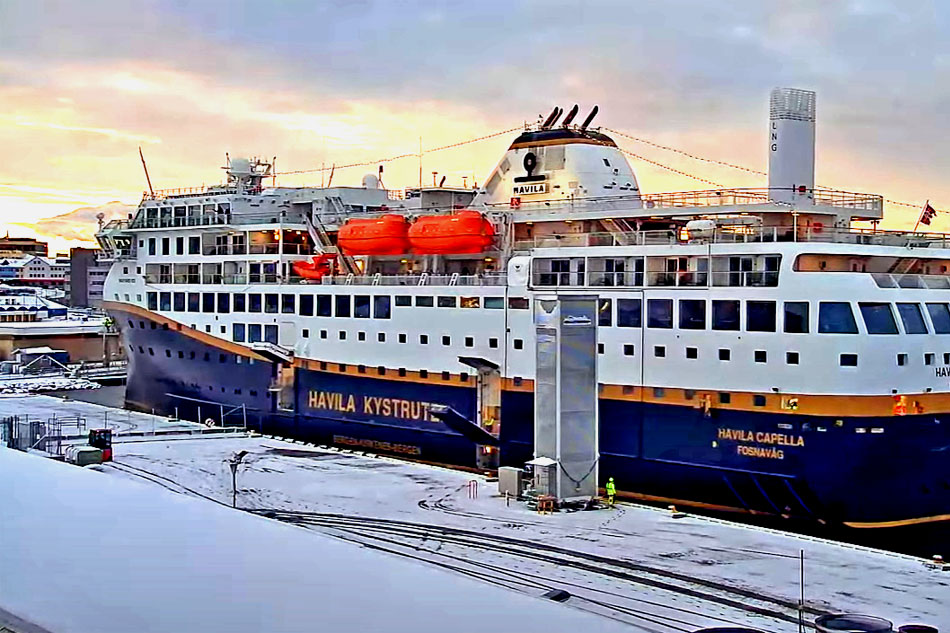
point(725, 315)
point(693, 314)
point(940, 317)
point(796, 317)
point(912, 318)
point(878, 318)
point(629, 312)
point(836, 317)
point(660, 313)
point(760, 316)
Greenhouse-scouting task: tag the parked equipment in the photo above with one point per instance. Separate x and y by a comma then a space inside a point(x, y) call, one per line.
point(102, 439)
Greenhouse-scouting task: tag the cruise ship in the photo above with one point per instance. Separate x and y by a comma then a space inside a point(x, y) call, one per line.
point(757, 351)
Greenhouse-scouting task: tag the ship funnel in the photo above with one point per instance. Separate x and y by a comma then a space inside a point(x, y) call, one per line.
point(555, 114)
point(590, 117)
point(570, 116)
point(791, 145)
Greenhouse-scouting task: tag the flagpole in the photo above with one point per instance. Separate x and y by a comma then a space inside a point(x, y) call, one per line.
point(922, 211)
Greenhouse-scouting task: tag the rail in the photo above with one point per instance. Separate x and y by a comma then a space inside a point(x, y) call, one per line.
point(681, 279)
point(212, 279)
point(217, 218)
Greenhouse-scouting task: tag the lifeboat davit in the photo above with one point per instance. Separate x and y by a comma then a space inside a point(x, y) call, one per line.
point(316, 268)
point(385, 235)
point(457, 233)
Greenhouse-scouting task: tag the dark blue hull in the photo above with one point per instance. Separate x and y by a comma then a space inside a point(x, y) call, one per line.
point(887, 472)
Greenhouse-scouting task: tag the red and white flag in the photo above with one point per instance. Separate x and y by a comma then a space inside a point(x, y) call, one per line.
point(927, 214)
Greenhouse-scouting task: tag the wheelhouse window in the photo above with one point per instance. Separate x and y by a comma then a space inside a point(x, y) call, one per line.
point(760, 316)
point(692, 314)
point(629, 312)
point(796, 317)
point(912, 318)
point(660, 313)
point(940, 317)
point(878, 318)
point(725, 315)
point(836, 317)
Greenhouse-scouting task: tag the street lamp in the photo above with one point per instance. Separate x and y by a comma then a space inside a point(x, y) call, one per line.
point(233, 463)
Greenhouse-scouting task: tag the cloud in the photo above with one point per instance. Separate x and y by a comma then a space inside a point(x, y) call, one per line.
point(81, 225)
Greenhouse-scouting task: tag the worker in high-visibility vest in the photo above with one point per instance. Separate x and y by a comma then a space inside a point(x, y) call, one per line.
point(611, 492)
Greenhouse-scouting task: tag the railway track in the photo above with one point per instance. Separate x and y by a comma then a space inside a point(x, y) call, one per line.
point(725, 603)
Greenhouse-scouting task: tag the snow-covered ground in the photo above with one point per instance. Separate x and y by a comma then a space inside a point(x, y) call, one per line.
point(631, 553)
point(86, 552)
point(21, 385)
point(97, 416)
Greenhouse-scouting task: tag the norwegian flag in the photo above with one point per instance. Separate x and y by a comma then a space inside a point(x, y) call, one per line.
point(927, 214)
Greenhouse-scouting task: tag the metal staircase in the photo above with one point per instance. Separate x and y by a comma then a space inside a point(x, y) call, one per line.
point(903, 265)
point(622, 231)
point(322, 242)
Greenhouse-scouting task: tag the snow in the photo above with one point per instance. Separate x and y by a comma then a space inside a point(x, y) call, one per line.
point(24, 385)
point(97, 553)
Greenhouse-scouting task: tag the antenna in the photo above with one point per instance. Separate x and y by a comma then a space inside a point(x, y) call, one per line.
point(145, 167)
point(332, 169)
point(442, 182)
point(273, 167)
point(590, 117)
point(570, 116)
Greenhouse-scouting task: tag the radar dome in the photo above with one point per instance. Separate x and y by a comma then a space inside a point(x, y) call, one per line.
point(370, 181)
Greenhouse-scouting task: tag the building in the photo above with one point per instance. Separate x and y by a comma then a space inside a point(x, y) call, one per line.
point(26, 245)
point(87, 274)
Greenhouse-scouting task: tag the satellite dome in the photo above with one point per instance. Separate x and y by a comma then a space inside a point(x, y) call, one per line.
point(370, 181)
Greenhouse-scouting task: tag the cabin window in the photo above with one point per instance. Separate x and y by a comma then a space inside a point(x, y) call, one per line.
point(796, 317)
point(493, 343)
point(629, 312)
point(725, 315)
point(270, 334)
point(692, 353)
point(152, 300)
point(305, 333)
point(660, 313)
point(693, 314)
point(628, 350)
point(494, 303)
point(342, 335)
point(604, 312)
point(207, 302)
point(237, 303)
point(760, 316)
point(224, 302)
point(194, 245)
point(194, 300)
point(179, 301)
point(929, 359)
point(725, 353)
point(424, 302)
point(600, 348)
point(254, 333)
point(724, 397)
point(179, 245)
point(469, 302)
point(381, 307)
point(836, 317)
point(381, 337)
point(324, 334)
point(403, 300)
point(324, 305)
point(361, 306)
point(165, 301)
point(517, 303)
point(912, 318)
point(288, 304)
point(151, 246)
point(518, 343)
point(423, 339)
point(270, 303)
point(469, 341)
point(659, 351)
point(848, 360)
point(901, 360)
point(343, 305)
point(448, 302)
point(361, 336)
point(166, 246)
point(238, 332)
point(761, 356)
point(254, 302)
point(940, 317)
point(402, 338)
point(791, 358)
point(758, 400)
point(878, 318)
point(306, 305)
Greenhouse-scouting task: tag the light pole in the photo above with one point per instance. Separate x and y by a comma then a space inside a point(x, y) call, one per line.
point(233, 463)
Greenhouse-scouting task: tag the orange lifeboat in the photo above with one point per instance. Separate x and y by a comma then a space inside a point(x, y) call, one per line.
point(385, 235)
point(316, 268)
point(457, 233)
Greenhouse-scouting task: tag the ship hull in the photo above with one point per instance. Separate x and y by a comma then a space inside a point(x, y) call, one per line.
point(819, 470)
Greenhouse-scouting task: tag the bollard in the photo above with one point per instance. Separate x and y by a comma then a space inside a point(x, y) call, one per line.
point(473, 489)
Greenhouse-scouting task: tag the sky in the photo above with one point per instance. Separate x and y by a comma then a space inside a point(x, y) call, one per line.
point(83, 85)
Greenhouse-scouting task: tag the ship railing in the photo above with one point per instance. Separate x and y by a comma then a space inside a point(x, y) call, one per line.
point(681, 279)
point(494, 279)
point(270, 248)
point(161, 194)
point(215, 218)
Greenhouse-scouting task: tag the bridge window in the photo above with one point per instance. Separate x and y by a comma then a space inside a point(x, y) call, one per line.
point(361, 306)
point(725, 315)
point(343, 304)
point(912, 318)
point(381, 307)
point(324, 306)
point(760, 316)
point(878, 318)
point(660, 313)
point(836, 317)
point(796, 317)
point(306, 305)
point(940, 317)
point(693, 314)
point(629, 312)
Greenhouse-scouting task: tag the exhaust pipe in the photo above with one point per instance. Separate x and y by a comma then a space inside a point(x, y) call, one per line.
point(548, 122)
point(570, 116)
point(590, 117)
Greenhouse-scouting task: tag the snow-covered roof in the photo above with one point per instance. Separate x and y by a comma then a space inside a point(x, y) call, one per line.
point(95, 552)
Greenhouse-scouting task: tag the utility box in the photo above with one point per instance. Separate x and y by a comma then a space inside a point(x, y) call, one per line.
point(544, 476)
point(510, 481)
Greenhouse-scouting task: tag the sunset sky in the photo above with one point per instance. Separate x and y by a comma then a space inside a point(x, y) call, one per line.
point(84, 84)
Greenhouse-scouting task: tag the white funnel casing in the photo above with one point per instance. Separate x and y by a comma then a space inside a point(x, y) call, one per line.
point(791, 144)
